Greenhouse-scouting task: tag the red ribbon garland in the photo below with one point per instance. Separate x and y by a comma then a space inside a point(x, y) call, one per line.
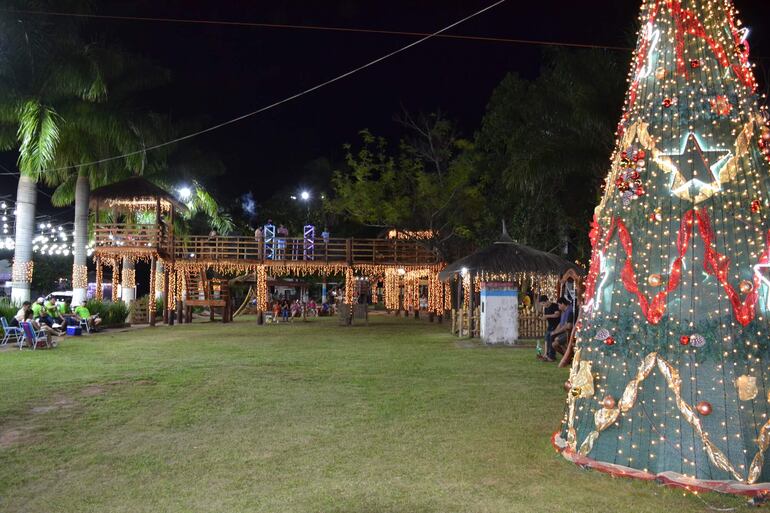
point(687, 23)
point(715, 264)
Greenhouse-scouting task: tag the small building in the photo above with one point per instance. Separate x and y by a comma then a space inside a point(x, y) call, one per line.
point(488, 285)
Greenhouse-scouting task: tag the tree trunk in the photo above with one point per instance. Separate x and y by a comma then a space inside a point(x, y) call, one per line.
point(79, 268)
point(26, 200)
point(128, 281)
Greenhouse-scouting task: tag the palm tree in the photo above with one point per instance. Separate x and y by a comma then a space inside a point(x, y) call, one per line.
point(42, 67)
point(101, 130)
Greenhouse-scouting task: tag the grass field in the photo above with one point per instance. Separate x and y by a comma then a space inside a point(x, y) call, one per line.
point(396, 417)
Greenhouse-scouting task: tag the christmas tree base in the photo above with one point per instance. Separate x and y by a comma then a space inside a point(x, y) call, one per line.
point(672, 479)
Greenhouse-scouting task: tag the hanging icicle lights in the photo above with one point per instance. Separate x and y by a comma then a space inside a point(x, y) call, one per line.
point(51, 238)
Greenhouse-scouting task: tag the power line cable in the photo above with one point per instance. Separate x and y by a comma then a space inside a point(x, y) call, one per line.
point(323, 28)
point(284, 100)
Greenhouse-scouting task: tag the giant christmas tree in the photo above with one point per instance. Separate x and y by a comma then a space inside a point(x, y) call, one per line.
point(671, 376)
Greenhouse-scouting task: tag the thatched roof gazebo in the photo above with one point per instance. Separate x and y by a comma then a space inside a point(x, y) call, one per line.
point(492, 278)
point(506, 259)
point(135, 193)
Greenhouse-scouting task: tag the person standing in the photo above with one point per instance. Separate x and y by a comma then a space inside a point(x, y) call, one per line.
point(551, 314)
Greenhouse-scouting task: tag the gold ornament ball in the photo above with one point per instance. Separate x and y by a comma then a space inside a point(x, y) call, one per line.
point(660, 73)
point(746, 286)
point(608, 402)
point(704, 408)
point(654, 280)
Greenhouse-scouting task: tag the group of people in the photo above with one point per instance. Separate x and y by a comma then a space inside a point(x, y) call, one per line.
point(560, 318)
point(51, 319)
point(285, 310)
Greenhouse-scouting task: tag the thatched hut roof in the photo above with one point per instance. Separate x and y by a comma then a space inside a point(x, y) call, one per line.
point(136, 190)
point(507, 257)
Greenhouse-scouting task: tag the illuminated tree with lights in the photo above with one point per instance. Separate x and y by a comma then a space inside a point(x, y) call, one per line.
point(671, 373)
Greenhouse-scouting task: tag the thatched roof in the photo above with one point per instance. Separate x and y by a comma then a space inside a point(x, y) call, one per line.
point(505, 256)
point(136, 189)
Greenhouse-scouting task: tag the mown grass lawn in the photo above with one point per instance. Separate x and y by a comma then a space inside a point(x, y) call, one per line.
point(307, 417)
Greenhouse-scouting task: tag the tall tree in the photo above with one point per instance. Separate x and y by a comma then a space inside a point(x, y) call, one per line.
point(545, 143)
point(43, 66)
point(93, 131)
point(425, 187)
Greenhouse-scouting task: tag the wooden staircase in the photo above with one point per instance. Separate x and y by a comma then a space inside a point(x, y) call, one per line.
point(212, 293)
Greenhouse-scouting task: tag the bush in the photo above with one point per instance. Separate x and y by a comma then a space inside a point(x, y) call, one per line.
point(112, 313)
point(8, 309)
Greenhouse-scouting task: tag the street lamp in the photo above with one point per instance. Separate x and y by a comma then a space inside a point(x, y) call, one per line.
point(185, 193)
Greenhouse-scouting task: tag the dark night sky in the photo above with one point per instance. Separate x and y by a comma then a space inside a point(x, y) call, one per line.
point(219, 72)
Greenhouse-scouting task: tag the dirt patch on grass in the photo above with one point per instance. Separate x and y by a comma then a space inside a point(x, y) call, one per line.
point(23, 430)
point(58, 404)
point(11, 437)
point(98, 389)
point(92, 390)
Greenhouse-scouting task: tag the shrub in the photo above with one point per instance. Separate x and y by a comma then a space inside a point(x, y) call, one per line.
point(8, 309)
point(112, 313)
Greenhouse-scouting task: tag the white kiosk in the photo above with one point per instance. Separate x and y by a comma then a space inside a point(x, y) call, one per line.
point(499, 313)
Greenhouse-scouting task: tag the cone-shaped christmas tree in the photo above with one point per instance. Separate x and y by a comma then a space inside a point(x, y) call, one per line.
point(672, 372)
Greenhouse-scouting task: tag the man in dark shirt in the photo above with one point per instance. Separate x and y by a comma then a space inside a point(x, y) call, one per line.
point(551, 313)
point(560, 336)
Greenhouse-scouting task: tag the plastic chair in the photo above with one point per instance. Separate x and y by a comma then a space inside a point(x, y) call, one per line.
point(32, 337)
point(10, 331)
point(84, 325)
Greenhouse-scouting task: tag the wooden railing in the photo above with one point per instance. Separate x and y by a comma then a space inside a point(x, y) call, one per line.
point(531, 326)
point(287, 249)
point(334, 250)
point(117, 235)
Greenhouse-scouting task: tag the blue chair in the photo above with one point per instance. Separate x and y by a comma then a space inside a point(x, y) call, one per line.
point(32, 337)
point(10, 332)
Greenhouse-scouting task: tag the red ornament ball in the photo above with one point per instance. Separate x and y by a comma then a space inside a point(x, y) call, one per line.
point(746, 286)
point(667, 102)
point(695, 63)
point(684, 340)
point(610, 341)
point(639, 191)
point(640, 154)
point(765, 133)
point(756, 206)
point(704, 408)
point(608, 402)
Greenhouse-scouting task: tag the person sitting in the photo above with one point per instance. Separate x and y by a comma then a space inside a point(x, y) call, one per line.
point(26, 306)
point(53, 312)
point(560, 335)
point(312, 308)
point(82, 313)
point(551, 314)
point(66, 313)
point(42, 328)
point(296, 308)
point(40, 313)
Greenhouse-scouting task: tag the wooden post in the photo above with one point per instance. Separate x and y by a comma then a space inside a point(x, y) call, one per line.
point(165, 295)
point(151, 293)
point(470, 308)
point(99, 276)
point(349, 251)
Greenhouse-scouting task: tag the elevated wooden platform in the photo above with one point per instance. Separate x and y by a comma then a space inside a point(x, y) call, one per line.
point(118, 239)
